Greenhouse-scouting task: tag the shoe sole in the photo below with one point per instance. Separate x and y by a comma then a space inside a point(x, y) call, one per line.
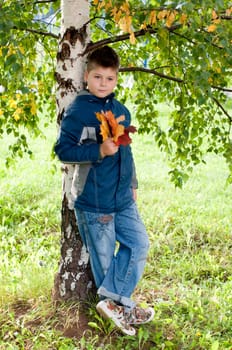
point(101, 310)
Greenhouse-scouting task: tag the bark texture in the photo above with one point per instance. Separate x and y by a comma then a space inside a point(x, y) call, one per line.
point(73, 280)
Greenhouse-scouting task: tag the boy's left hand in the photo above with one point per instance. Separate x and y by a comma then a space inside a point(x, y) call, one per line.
point(108, 148)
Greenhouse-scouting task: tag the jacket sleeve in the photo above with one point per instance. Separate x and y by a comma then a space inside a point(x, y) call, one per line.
point(134, 182)
point(134, 176)
point(69, 146)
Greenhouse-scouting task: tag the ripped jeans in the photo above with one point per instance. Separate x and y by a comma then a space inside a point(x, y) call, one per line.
point(118, 245)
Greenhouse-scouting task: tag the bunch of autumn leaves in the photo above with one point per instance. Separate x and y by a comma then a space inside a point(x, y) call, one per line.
point(110, 128)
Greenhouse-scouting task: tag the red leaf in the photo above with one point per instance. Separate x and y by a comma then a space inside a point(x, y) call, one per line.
point(125, 139)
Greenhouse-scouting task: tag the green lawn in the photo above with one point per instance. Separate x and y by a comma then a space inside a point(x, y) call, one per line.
point(188, 277)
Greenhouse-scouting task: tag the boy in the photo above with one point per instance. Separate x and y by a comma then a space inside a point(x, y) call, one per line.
point(105, 204)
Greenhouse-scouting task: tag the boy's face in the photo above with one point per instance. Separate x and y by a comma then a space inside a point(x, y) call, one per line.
point(101, 80)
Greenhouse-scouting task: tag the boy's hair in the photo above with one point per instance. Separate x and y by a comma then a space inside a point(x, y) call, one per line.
point(104, 56)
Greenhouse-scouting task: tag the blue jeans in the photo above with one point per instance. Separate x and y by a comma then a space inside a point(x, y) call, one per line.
point(118, 245)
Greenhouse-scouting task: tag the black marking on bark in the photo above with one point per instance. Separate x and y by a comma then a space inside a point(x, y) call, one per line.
point(65, 52)
point(72, 35)
point(64, 84)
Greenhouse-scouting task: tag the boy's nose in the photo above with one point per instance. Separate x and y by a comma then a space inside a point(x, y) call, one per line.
point(103, 82)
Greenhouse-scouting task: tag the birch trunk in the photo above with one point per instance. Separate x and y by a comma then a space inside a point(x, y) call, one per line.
point(73, 280)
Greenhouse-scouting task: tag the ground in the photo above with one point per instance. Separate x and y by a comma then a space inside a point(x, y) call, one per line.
point(70, 320)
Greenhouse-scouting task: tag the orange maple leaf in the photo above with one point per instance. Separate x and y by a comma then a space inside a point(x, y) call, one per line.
point(116, 128)
point(105, 130)
point(110, 127)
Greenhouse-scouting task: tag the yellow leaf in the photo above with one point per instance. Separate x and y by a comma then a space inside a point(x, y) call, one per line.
point(125, 24)
point(214, 14)
point(229, 11)
point(132, 38)
point(152, 17)
point(170, 19)
point(211, 28)
point(162, 14)
point(1, 112)
point(22, 50)
point(128, 20)
point(40, 86)
point(100, 4)
point(33, 108)
point(116, 14)
point(183, 18)
point(143, 26)
point(108, 5)
point(16, 114)
point(114, 11)
point(16, 117)
point(125, 8)
point(12, 103)
point(11, 51)
point(105, 131)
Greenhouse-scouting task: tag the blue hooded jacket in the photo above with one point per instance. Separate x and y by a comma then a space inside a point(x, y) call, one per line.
point(102, 185)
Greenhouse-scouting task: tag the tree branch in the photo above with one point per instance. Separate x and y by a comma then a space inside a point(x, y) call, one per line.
point(221, 88)
point(226, 17)
point(161, 75)
point(40, 32)
point(151, 71)
point(44, 1)
point(115, 39)
point(223, 109)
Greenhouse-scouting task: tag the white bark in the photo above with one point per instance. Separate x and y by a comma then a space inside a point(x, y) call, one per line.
point(74, 279)
point(70, 70)
point(75, 14)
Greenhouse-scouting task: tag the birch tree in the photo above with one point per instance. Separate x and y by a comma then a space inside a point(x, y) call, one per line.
point(74, 279)
point(175, 53)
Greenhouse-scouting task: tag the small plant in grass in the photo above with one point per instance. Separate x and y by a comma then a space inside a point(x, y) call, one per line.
point(99, 324)
point(96, 322)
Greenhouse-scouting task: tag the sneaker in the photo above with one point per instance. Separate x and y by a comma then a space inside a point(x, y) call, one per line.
point(139, 315)
point(110, 310)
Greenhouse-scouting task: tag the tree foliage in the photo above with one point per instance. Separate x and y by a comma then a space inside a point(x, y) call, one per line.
point(174, 52)
point(27, 62)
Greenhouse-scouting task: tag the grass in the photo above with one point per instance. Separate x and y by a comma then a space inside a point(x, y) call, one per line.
point(188, 277)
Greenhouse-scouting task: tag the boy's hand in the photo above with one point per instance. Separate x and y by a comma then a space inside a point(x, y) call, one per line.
point(108, 148)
